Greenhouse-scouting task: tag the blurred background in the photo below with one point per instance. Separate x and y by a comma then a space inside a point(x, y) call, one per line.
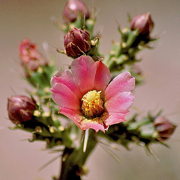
point(21, 160)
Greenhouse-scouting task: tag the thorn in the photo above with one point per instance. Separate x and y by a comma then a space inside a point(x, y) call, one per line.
point(49, 162)
point(61, 51)
point(129, 17)
point(109, 151)
point(150, 151)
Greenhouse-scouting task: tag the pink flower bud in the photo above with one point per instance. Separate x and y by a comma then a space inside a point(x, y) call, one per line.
point(164, 128)
point(30, 56)
point(73, 8)
point(77, 42)
point(20, 108)
point(143, 23)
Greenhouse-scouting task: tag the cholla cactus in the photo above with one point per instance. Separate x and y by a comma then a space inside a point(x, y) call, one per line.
point(93, 95)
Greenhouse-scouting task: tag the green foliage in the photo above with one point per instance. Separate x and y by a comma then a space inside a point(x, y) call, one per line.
point(124, 54)
point(41, 78)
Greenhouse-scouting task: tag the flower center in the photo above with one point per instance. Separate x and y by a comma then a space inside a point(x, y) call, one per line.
point(92, 104)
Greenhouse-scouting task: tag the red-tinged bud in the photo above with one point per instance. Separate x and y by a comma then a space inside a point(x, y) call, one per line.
point(30, 57)
point(20, 108)
point(77, 42)
point(164, 128)
point(143, 23)
point(73, 8)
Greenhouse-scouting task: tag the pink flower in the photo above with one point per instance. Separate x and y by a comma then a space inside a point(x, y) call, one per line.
point(86, 95)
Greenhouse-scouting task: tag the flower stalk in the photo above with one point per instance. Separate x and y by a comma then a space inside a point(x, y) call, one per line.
point(73, 160)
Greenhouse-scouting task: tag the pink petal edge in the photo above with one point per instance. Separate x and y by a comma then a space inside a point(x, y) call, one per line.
point(102, 76)
point(120, 103)
point(83, 72)
point(74, 115)
point(64, 97)
point(115, 118)
point(67, 79)
point(124, 82)
point(93, 125)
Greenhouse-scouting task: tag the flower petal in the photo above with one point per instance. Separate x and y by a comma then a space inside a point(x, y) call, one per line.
point(120, 102)
point(87, 124)
point(123, 82)
point(79, 120)
point(64, 97)
point(74, 115)
point(102, 76)
point(84, 72)
point(67, 79)
point(115, 118)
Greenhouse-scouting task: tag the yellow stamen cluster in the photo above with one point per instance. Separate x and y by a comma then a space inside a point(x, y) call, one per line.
point(92, 104)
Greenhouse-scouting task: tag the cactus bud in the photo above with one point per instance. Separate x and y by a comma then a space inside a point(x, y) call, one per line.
point(20, 108)
point(77, 42)
point(164, 128)
point(143, 23)
point(30, 56)
point(73, 8)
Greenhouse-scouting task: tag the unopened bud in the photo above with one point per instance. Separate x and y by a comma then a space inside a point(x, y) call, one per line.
point(143, 23)
point(30, 57)
point(77, 42)
point(164, 128)
point(73, 8)
point(20, 108)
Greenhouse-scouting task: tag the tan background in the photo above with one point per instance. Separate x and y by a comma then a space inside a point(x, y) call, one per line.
point(20, 160)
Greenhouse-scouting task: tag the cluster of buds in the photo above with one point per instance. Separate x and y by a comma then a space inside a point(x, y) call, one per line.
point(79, 39)
point(21, 108)
point(76, 14)
point(30, 57)
point(77, 42)
point(73, 9)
